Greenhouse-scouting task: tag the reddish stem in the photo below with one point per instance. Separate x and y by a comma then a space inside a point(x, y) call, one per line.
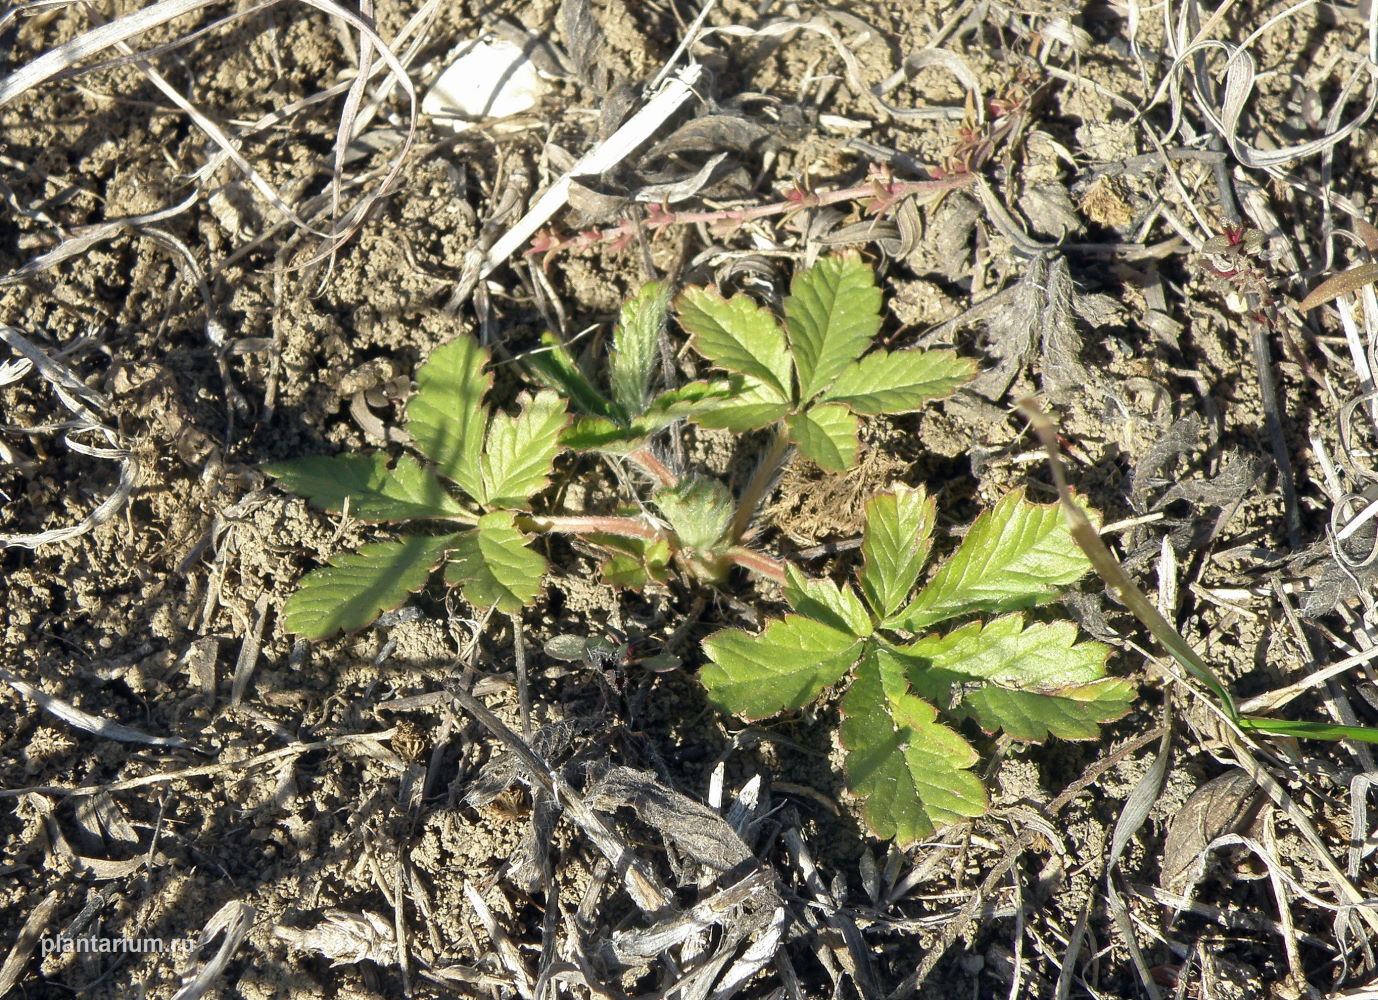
point(627, 527)
point(758, 562)
point(646, 460)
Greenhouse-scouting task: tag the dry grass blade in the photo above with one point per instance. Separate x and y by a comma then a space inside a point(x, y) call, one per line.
point(25, 942)
point(507, 952)
point(642, 944)
point(118, 32)
point(83, 402)
point(232, 769)
point(88, 236)
point(1340, 284)
point(1315, 675)
point(642, 884)
point(98, 39)
point(1224, 111)
point(860, 961)
point(602, 157)
point(85, 721)
point(235, 919)
point(345, 226)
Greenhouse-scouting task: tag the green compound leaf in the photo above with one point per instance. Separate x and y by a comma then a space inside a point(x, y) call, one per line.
point(738, 335)
point(359, 586)
point(785, 667)
point(446, 417)
point(911, 772)
point(601, 434)
point(375, 493)
point(895, 545)
point(826, 434)
point(1016, 555)
point(1028, 680)
point(555, 368)
point(520, 452)
point(750, 406)
point(494, 567)
point(636, 346)
point(899, 381)
point(832, 313)
point(699, 510)
point(826, 602)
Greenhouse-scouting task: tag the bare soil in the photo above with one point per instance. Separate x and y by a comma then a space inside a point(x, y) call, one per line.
point(310, 781)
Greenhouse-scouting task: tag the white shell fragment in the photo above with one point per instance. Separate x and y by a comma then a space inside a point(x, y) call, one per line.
point(489, 79)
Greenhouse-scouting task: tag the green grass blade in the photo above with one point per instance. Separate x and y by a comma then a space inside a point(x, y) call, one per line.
point(1121, 586)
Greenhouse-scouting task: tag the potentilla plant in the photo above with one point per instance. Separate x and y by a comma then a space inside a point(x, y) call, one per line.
point(904, 682)
point(473, 502)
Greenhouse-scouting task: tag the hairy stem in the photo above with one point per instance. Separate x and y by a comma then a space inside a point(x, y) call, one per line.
point(627, 527)
point(646, 460)
point(758, 562)
point(760, 482)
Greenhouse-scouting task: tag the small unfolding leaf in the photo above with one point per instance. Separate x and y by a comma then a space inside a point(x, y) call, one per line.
point(636, 346)
point(520, 452)
point(359, 586)
point(1027, 680)
point(1016, 555)
point(494, 567)
point(912, 773)
point(375, 492)
point(638, 564)
point(825, 434)
point(446, 417)
point(699, 510)
point(832, 313)
point(826, 602)
point(554, 366)
point(785, 667)
point(739, 335)
point(899, 381)
point(895, 545)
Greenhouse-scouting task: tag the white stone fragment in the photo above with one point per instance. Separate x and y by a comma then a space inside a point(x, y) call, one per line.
point(489, 79)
